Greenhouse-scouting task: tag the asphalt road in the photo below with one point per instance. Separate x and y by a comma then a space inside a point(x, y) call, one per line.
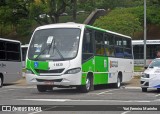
point(129, 95)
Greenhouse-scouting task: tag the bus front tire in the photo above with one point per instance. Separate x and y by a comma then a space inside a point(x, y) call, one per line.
point(87, 87)
point(1, 81)
point(144, 89)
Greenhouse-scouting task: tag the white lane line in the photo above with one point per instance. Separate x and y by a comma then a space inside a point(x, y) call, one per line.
point(132, 88)
point(55, 100)
point(7, 90)
point(125, 112)
point(104, 92)
point(157, 95)
point(19, 87)
point(70, 100)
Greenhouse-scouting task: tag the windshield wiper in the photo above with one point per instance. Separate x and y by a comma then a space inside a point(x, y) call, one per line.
point(49, 47)
point(55, 47)
point(42, 52)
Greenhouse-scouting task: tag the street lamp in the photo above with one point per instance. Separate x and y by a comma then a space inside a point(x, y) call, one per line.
point(145, 33)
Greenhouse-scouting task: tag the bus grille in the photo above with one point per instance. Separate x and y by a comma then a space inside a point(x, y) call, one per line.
point(49, 71)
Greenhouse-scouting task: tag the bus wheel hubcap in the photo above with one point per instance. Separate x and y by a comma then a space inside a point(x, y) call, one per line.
point(88, 84)
point(118, 82)
point(0, 82)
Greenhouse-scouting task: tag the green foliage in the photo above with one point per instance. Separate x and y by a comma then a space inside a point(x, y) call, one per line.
point(121, 21)
point(126, 16)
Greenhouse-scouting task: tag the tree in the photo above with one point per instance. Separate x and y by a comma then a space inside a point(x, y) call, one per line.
point(121, 21)
point(48, 11)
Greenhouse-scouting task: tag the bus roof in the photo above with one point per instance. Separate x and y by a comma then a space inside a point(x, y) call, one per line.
point(141, 42)
point(76, 25)
point(100, 29)
point(3, 39)
point(61, 25)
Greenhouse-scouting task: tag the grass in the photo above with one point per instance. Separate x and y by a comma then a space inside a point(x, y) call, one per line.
point(138, 68)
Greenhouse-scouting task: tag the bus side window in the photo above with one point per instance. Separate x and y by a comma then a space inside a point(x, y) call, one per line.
point(109, 44)
point(119, 47)
point(99, 43)
point(127, 48)
point(2, 50)
point(87, 47)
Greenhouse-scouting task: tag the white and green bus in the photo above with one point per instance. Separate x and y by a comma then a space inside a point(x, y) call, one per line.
point(78, 55)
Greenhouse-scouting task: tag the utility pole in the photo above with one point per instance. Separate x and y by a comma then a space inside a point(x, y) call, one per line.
point(145, 28)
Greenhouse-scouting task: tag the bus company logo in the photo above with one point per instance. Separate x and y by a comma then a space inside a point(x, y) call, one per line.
point(113, 64)
point(36, 64)
point(2, 65)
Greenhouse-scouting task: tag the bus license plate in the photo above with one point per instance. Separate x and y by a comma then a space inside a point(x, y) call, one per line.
point(49, 82)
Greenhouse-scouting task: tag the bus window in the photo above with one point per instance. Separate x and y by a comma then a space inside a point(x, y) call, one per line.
point(127, 48)
point(109, 42)
point(13, 51)
point(2, 50)
point(119, 52)
point(119, 47)
point(99, 43)
point(87, 48)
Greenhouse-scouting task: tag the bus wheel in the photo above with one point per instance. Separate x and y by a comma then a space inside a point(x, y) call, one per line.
point(41, 88)
point(86, 88)
point(144, 89)
point(1, 82)
point(118, 83)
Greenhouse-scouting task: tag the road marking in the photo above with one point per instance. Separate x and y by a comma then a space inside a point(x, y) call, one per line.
point(104, 92)
point(55, 100)
point(125, 112)
point(72, 100)
point(19, 87)
point(157, 95)
point(157, 100)
point(7, 90)
point(132, 88)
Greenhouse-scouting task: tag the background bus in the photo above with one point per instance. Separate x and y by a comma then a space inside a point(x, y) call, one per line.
point(78, 55)
point(10, 61)
point(24, 52)
point(151, 49)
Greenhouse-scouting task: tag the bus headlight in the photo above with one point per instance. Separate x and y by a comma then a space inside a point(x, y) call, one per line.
point(145, 75)
point(73, 71)
point(29, 72)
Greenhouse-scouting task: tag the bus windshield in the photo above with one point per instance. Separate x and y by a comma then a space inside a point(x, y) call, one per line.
point(54, 44)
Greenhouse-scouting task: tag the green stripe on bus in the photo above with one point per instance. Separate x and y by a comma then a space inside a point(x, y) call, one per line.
point(88, 66)
point(97, 64)
point(91, 27)
point(41, 65)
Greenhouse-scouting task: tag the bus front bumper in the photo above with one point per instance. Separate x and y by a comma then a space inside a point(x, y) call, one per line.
point(61, 80)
